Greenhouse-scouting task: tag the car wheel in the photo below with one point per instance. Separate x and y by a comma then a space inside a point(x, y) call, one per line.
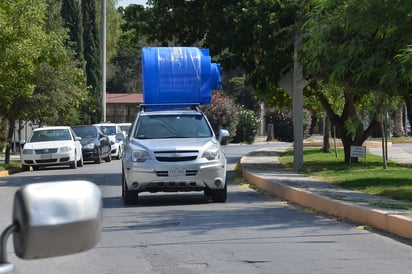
point(80, 163)
point(73, 164)
point(129, 196)
point(109, 157)
point(25, 167)
point(98, 159)
point(219, 195)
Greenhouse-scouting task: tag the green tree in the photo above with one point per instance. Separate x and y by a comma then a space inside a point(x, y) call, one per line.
point(126, 63)
point(59, 78)
point(354, 44)
point(92, 109)
point(73, 21)
point(22, 40)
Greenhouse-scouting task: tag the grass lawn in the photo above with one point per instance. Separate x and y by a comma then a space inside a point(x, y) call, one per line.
point(8, 166)
point(368, 176)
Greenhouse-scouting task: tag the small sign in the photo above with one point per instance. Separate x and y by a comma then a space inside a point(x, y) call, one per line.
point(357, 151)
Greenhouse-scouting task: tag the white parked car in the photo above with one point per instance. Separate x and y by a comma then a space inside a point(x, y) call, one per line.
point(113, 131)
point(51, 146)
point(173, 150)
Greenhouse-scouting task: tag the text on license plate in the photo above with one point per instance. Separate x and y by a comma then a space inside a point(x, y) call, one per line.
point(179, 171)
point(45, 156)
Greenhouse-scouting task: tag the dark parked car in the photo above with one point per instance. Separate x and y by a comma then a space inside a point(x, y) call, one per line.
point(96, 145)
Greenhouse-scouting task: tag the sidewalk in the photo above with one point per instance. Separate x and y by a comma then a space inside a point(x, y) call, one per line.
point(262, 169)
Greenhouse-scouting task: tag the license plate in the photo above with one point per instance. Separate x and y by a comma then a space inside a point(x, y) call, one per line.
point(175, 172)
point(45, 156)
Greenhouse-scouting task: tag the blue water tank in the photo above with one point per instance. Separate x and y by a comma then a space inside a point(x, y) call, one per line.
point(172, 75)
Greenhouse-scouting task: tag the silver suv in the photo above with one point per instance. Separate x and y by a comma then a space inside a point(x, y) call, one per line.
point(173, 150)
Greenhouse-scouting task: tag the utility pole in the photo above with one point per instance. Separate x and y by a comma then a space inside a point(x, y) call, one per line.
point(103, 43)
point(298, 85)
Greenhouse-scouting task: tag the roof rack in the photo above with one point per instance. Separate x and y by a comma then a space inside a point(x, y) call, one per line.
point(151, 107)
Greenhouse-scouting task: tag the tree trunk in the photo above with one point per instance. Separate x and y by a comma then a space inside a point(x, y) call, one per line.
point(326, 134)
point(408, 102)
point(9, 135)
point(398, 130)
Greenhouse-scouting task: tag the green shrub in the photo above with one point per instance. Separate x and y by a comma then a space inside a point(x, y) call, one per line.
point(247, 126)
point(282, 120)
point(222, 113)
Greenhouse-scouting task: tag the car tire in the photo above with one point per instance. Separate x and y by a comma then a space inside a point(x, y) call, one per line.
point(219, 195)
point(129, 196)
point(108, 158)
point(73, 164)
point(98, 159)
point(80, 163)
point(25, 167)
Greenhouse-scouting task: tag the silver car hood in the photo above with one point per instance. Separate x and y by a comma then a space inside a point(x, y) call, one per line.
point(175, 144)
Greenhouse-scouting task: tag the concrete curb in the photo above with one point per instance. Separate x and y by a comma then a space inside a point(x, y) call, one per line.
point(380, 219)
point(9, 172)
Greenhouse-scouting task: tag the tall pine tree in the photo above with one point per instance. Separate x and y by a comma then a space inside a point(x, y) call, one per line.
point(92, 56)
point(72, 20)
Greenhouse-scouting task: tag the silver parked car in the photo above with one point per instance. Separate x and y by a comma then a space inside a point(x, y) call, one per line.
point(173, 150)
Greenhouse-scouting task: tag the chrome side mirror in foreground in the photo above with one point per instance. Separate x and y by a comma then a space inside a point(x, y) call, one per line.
point(53, 219)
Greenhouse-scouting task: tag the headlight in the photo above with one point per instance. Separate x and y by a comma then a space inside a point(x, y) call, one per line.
point(27, 151)
point(66, 149)
point(140, 156)
point(89, 146)
point(211, 154)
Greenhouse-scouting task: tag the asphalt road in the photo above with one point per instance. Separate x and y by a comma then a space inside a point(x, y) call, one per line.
point(185, 233)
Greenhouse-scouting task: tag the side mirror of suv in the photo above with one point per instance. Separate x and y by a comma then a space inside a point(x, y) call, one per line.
point(223, 133)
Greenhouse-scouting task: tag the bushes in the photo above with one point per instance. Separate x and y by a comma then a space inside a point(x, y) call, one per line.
point(247, 126)
point(243, 123)
point(282, 120)
point(222, 113)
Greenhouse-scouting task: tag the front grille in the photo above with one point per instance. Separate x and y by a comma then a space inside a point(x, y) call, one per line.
point(173, 186)
point(166, 173)
point(176, 155)
point(46, 150)
point(176, 159)
point(46, 161)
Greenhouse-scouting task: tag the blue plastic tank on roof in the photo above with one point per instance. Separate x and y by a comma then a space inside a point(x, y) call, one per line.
point(178, 75)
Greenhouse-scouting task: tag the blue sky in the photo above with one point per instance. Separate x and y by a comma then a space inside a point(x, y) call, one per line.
point(125, 3)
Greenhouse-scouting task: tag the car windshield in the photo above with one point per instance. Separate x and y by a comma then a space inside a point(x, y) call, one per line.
point(108, 130)
point(172, 126)
point(85, 132)
point(50, 135)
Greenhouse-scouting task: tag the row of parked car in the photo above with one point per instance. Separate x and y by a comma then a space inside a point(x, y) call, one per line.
point(65, 145)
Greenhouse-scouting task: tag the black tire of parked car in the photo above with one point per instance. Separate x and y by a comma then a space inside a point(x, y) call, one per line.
point(80, 163)
point(108, 158)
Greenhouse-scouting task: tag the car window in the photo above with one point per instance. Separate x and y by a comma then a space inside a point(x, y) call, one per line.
point(125, 128)
point(172, 126)
point(85, 132)
point(108, 130)
point(50, 135)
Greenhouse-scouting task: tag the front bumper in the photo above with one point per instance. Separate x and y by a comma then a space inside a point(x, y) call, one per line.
point(167, 177)
point(52, 159)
